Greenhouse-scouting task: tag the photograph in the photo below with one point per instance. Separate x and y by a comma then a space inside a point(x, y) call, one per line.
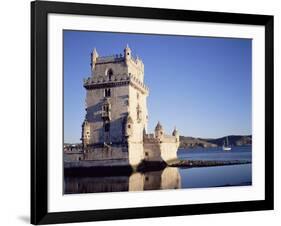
point(146, 112)
point(140, 112)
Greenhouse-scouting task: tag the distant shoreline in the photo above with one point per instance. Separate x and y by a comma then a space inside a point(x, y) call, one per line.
point(193, 142)
point(233, 140)
point(207, 148)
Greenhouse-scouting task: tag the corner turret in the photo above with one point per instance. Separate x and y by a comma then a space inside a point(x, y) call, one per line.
point(94, 56)
point(176, 134)
point(159, 131)
point(127, 53)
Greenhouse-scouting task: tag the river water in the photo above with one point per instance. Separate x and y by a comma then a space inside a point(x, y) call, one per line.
point(173, 177)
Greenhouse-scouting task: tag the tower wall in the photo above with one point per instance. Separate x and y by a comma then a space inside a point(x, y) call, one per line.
point(117, 115)
point(119, 108)
point(137, 102)
point(138, 111)
point(136, 68)
point(118, 68)
point(123, 75)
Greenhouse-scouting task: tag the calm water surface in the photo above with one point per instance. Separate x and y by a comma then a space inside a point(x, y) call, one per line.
point(172, 177)
point(237, 153)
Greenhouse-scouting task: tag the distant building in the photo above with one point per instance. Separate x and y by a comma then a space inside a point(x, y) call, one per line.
point(116, 118)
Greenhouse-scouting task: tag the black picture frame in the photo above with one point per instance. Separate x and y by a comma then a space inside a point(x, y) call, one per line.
point(39, 112)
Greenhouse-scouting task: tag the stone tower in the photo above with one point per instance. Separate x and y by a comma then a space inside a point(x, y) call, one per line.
point(116, 111)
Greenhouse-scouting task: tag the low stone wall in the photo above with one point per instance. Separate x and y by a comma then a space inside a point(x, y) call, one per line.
point(98, 154)
point(132, 155)
point(96, 163)
point(160, 151)
point(169, 139)
point(73, 156)
point(152, 151)
point(169, 151)
point(106, 153)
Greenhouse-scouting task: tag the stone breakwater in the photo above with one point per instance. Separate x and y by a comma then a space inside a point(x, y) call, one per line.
point(206, 163)
point(95, 168)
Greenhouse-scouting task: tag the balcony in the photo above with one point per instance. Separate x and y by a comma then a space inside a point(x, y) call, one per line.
point(106, 115)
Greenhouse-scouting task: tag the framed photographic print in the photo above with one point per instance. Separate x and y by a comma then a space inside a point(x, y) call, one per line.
point(145, 112)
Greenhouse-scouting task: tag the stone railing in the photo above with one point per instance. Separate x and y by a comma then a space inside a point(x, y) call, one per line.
point(169, 138)
point(116, 58)
point(113, 58)
point(150, 138)
point(114, 79)
point(135, 59)
point(138, 82)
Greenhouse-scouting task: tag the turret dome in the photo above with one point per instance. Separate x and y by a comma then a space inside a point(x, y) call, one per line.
point(159, 126)
point(175, 132)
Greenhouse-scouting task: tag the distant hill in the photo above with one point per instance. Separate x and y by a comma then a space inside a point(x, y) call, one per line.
point(233, 140)
point(191, 142)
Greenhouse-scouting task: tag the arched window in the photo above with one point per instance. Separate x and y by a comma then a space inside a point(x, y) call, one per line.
point(109, 73)
point(107, 93)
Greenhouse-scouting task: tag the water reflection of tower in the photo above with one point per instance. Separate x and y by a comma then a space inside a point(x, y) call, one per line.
point(169, 178)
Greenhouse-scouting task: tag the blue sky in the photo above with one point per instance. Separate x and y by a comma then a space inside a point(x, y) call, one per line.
point(200, 85)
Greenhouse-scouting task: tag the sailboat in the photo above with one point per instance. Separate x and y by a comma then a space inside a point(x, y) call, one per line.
point(226, 146)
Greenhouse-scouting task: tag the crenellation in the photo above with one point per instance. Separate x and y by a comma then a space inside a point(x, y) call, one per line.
point(92, 82)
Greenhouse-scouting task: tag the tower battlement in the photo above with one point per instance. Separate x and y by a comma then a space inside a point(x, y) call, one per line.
point(116, 59)
point(115, 80)
point(122, 62)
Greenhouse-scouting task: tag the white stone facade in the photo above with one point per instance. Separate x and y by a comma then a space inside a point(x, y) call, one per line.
point(117, 115)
